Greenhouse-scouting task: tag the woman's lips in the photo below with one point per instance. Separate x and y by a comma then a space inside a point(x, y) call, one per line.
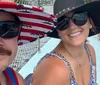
point(75, 34)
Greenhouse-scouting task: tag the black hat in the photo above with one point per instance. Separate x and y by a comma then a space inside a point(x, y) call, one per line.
point(62, 7)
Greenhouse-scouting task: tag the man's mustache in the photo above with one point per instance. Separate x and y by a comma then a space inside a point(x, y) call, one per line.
point(5, 51)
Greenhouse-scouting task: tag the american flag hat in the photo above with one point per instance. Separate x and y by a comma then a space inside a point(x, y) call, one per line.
point(35, 22)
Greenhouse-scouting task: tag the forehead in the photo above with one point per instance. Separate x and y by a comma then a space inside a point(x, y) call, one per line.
point(6, 16)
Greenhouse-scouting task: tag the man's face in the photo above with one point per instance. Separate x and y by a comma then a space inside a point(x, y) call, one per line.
point(8, 46)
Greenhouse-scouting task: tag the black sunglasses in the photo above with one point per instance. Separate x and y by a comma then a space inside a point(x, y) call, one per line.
point(78, 19)
point(9, 29)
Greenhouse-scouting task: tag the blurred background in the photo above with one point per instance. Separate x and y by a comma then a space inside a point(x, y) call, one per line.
point(29, 54)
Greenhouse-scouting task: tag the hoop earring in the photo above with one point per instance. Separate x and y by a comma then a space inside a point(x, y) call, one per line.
point(90, 26)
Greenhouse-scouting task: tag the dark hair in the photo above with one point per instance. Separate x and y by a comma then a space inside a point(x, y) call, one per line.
point(94, 29)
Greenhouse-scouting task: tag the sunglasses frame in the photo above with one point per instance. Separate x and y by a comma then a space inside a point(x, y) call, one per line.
point(9, 29)
point(64, 21)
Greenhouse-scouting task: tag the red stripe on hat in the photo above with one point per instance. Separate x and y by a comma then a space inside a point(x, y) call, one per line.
point(34, 16)
point(8, 5)
point(27, 38)
point(38, 25)
point(52, 16)
point(37, 9)
point(32, 31)
point(18, 6)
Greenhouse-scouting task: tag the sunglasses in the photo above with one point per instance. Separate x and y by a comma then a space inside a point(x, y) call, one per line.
point(78, 19)
point(9, 29)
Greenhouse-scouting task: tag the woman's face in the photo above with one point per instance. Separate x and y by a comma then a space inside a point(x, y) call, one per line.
point(8, 47)
point(75, 35)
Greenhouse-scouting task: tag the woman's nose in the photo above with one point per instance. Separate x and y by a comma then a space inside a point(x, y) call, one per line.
point(72, 25)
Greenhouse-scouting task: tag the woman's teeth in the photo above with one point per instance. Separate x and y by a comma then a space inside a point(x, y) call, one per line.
point(75, 34)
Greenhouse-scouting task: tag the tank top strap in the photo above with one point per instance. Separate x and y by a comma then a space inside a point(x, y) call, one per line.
point(11, 76)
point(89, 54)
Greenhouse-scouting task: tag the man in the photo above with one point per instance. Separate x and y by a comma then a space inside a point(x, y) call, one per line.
point(19, 24)
point(9, 26)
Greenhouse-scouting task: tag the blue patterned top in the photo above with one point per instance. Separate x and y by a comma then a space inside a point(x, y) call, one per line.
point(72, 79)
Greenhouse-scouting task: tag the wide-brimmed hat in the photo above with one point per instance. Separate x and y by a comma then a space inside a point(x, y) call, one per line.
point(35, 22)
point(62, 7)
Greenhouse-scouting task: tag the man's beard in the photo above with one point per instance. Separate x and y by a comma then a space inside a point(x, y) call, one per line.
point(6, 52)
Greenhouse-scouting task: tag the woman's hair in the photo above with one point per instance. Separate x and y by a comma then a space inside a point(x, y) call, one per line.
point(94, 28)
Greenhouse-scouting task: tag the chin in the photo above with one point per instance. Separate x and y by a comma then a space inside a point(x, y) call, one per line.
point(77, 43)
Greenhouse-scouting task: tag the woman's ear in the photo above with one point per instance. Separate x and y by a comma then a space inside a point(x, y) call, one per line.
point(90, 26)
point(91, 23)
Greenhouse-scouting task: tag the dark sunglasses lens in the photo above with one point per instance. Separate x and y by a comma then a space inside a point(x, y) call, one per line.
point(80, 18)
point(3, 29)
point(10, 34)
point(63, 23)
point(9, 29)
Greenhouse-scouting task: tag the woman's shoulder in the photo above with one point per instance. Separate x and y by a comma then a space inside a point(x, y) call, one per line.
point(51, 68)
point(53, 64)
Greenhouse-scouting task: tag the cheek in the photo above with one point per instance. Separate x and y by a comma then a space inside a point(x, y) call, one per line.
point(14, 51)
point(62, 33)
point(87, 26)
point(13, 45)
point(86, 29)
point(14, 48)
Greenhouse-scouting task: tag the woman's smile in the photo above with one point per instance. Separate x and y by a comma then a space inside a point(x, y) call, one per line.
point(76, 34)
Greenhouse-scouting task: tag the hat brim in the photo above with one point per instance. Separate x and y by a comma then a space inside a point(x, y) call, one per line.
point(93, 10)
point(35, 22)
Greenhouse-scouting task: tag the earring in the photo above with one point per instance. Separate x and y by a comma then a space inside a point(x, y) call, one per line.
point(90, 26)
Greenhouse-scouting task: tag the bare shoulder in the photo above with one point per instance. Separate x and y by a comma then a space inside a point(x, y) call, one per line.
point(20, 78)
point(92, 51)
point(51, 71)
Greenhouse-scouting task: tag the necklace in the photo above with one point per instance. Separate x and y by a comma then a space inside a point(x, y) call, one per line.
point(73, 57)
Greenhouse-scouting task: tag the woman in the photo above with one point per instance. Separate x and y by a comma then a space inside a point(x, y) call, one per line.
point(73, 61)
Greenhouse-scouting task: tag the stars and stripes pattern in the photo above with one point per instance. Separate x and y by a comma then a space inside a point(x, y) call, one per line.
point(36, 22)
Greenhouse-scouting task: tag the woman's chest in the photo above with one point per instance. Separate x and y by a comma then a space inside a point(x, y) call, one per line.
point(82, 74)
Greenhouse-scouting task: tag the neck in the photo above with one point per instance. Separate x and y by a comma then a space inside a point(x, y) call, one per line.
point(2, 79)
point(75, 51)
